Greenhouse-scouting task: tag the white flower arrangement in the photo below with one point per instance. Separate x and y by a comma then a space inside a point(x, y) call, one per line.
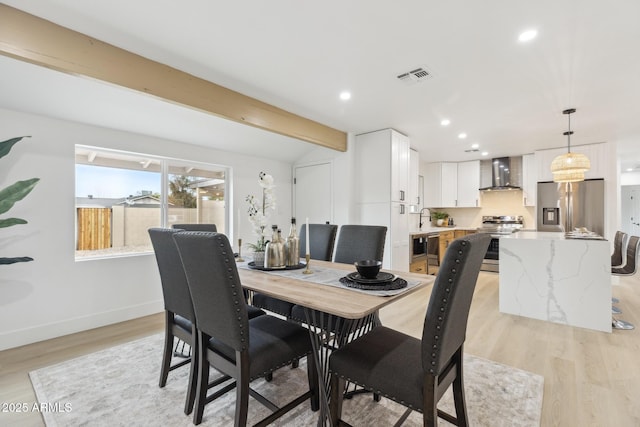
point(259, 211)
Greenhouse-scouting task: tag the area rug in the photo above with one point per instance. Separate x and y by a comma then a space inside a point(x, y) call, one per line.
point(119, 387)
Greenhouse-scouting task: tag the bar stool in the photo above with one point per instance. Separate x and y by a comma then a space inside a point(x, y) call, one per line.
point(619, 243)
point(628, 269)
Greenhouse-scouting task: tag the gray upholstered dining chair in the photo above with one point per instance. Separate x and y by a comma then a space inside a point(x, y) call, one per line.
point(213, 228)
point(320, 247)
point(196, 227)
point(179, 314)
point(240, 348)
point(413, 372)
point(355, 243)
point(359, 242)
point(323, 238)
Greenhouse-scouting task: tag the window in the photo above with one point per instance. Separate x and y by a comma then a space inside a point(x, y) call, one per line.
point(120, 195)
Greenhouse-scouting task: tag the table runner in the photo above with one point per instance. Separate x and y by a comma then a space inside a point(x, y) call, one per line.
point(330, 277)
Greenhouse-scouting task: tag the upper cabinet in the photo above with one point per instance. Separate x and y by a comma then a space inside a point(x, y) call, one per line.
point(440, 185)
point(529, 180)
point(399, 167)
point(598, 155)
point(383, 172)
point(450, 185)
point(468, 184)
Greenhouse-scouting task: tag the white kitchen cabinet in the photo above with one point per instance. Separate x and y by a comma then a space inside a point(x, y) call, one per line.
point(414, 198)
point(450, 185)
point(441, 185)
point(468, 184)
point(382, 166)
point(399, 237)
point(382, 178)
point(399, 167)
point(529, 180)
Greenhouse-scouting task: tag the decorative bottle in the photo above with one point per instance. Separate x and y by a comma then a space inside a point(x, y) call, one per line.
point(292, 246)
point(274, 252)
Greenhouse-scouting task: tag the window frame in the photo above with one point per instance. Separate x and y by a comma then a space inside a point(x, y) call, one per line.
point(165, 165)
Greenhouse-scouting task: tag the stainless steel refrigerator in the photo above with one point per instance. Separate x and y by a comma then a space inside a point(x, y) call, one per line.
point(567, 206)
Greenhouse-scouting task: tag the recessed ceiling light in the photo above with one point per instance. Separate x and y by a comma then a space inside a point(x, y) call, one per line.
point(629, 169)
point(528, 35)
point(445, 122)
point(462, 135)
point(345, 96)
point(474, 146)
point(485, 153)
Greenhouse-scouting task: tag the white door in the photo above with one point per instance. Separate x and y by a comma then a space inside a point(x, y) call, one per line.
point(630, 209)
point(313, 193)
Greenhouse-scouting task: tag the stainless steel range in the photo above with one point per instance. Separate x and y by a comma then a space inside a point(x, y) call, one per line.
point(497, 226)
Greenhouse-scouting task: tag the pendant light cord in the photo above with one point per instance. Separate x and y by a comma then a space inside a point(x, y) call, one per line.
point(568, 112)
point(569, 135)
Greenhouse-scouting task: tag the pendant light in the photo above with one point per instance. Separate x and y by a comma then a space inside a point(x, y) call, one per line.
point(570, 167)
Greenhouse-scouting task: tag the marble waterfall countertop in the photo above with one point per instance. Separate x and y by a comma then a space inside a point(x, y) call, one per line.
point(541, 235)
point(549, 277)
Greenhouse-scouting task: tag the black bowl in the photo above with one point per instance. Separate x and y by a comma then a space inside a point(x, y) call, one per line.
point(368, 268)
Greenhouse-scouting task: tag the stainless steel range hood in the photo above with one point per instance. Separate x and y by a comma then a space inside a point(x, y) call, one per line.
point(503, 173)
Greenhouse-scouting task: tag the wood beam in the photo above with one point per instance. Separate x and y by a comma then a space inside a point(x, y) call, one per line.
point(29, 38)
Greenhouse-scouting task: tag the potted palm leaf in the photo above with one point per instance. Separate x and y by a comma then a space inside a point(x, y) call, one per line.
point(12, 194)
point(440, 218)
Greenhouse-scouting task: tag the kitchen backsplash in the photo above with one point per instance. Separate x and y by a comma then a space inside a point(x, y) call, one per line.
point(493, 203)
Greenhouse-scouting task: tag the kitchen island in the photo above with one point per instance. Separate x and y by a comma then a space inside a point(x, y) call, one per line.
point(546, 276)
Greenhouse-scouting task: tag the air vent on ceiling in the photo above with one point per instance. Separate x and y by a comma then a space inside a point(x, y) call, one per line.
point(415, 76)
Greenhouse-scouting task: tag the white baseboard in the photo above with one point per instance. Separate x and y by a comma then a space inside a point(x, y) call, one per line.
point(52, 330)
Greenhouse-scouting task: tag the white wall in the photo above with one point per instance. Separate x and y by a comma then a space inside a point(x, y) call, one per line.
point(630, 178)
point(343, 181)
point(55, 295)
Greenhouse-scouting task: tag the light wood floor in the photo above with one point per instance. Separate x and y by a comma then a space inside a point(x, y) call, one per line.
point(591, 378)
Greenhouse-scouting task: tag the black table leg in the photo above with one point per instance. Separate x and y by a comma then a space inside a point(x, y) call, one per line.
point(329, 332)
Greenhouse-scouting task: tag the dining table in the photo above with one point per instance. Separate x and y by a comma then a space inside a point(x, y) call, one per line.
point(335, 313)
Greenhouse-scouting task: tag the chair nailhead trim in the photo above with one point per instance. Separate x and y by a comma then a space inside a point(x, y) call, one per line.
point(232, 284)
point(453, 272)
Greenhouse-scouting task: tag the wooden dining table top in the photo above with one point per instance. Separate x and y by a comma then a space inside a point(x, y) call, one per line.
point(343, 302)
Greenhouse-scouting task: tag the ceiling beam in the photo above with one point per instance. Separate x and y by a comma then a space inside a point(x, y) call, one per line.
point(29, 38)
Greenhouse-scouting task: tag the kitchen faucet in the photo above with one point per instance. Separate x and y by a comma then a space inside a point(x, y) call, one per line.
point(422, 210)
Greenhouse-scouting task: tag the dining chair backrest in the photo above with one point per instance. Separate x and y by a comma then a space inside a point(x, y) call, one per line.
point(445, 324)
point(619, 242)
point(631, 265)
point(216, 291)
point(323, 237)
point(175, 290)
point(196, 227)
point(360, 242)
